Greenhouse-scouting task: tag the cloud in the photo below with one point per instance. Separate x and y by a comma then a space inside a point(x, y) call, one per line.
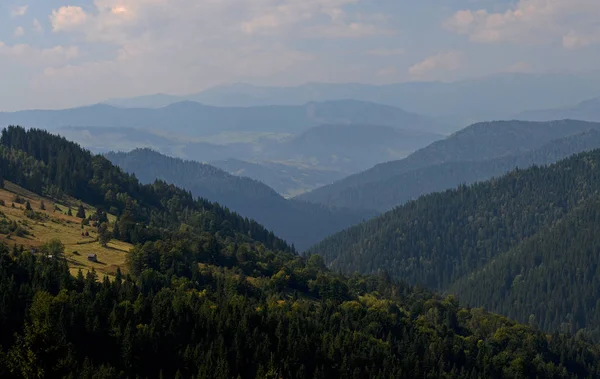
point(436, 66)
point(67, 18)
point(574, 40)
point(19, 11)
point(27, 55)
point(386, 52)
point(19, 31)
point(37, 26)
point(181, 46)
point(574, 23)
point(519, 67)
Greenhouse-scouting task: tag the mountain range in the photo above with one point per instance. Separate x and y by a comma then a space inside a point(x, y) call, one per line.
point(462, 102)
point(588, 110)
point(204, 293)
point(299, 223)
point(477, 152)
point(192, 119)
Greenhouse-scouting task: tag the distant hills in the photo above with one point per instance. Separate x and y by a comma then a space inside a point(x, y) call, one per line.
point(286, 179)
point(457, 103)
point(353, 147)
point(588, 110)
point(192, 119)
point(297, 222)
point(478, 152)
point(525, 244)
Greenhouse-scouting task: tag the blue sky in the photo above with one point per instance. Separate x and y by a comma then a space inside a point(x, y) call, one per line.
point(64, 53)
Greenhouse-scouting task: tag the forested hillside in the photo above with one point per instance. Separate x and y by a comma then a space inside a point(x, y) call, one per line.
point(300, 223)
point(443, 239)
point(50, 165)
point(479, 152)
point(212, 295)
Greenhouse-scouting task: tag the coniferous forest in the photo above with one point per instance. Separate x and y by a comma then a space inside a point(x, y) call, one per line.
point(209, 294)
point(524, 245)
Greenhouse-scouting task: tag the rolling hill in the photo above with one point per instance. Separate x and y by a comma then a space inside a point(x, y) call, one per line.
point(494, 239)
point(353, 147)
point(297, 222)
point(478, 152)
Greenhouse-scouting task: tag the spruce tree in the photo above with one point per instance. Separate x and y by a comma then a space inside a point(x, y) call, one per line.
point(80, 211)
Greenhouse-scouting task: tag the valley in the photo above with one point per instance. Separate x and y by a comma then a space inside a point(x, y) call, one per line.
point(286, 189)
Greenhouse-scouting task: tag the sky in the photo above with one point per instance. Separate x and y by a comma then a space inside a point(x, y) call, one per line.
point(64, 53)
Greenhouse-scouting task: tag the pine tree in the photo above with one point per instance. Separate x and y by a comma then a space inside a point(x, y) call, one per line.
point(80, 211)
point(42, 205)
point(116, 231)
point(27, 205)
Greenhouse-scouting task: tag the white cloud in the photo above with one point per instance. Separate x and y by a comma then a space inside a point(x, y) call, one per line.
point(181, 46)
point(19, 31)
point(436, 66)
point(572, 22)
point(68, 18)
point(37, 26)
point(574, 40)
point(27, 55)
point(19, 11)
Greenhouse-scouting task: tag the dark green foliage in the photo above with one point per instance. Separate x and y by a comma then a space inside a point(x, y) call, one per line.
point(28, 206)
point(11, 227)
point(513, 228)
point(42, 205)
point(210, 296)
point(479, 152)
point(34, 215)
point(213, 323)
point(297, 222)
point(80, 212)
point(104, 234)
point(553, 276)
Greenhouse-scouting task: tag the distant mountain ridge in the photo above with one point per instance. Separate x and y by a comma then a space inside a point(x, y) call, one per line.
point(476, 153)
point(300, 223)
point(193, 119)
point(489, 98)
point(588, 110)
